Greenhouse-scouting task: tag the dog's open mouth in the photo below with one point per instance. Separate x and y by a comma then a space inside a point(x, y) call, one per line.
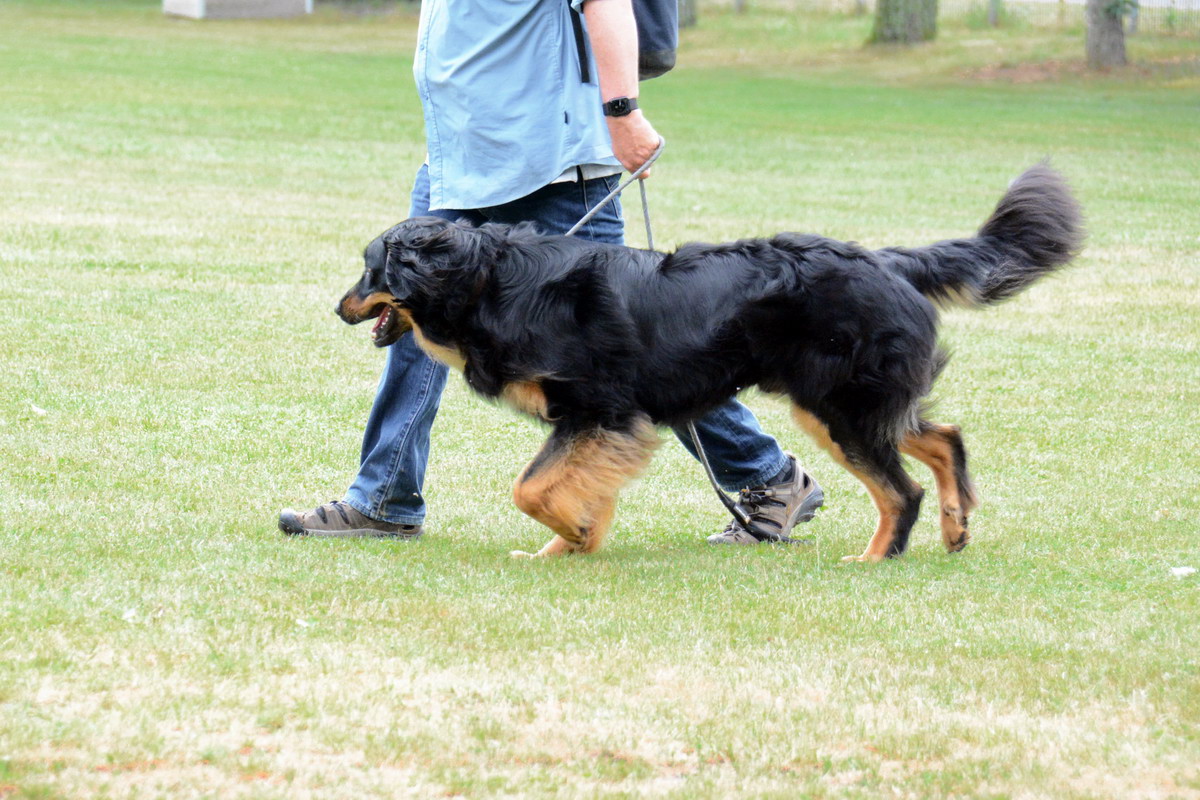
point(387, 328)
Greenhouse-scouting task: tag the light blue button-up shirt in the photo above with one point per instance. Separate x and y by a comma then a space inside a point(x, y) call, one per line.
point(506, 111)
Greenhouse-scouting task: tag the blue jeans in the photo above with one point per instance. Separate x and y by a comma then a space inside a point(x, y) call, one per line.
point(395, 448)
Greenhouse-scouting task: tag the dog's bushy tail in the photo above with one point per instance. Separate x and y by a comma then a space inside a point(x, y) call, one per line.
point(1035, 229)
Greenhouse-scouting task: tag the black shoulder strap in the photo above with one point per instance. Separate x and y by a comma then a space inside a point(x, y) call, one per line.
point(585, 72)
point(658, 36)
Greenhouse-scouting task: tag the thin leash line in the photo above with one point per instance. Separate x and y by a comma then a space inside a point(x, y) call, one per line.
point(622, 187)
point(646, 215)
point(735, 508)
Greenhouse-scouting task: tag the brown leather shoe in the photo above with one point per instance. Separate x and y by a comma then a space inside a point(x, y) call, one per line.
point(777, 508)
point(336, 520)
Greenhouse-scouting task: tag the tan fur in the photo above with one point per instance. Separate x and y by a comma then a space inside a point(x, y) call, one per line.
point(446, 355)
point(817, 431)
point(355, 308)
point(933, 449)
point(573, 489)
point(526, 397)
point(887, 503)
point(958, 297)
point(889, 507)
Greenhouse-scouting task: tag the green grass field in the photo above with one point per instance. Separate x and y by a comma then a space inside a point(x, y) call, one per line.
point(180, 205)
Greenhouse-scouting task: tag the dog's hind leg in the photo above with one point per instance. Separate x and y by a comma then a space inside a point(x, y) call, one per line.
point(896, 496)
point(940, 447)
point(571, 486)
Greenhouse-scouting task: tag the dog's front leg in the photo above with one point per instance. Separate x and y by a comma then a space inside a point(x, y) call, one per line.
point(558, 546)
point(571, 486)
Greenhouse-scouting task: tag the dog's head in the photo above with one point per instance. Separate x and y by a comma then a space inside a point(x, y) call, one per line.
point(407, 267)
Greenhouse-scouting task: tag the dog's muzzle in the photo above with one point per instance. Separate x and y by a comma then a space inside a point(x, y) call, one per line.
point(391, 321)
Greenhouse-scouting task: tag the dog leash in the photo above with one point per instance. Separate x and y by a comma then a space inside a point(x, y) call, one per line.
point(637, 173)
point(734, 507)
point(739, 513)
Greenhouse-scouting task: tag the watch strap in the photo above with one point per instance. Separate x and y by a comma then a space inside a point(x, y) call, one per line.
point(620, 106)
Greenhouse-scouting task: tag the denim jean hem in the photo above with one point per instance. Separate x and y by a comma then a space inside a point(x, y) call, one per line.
point(741, 453)
point(366, 511)
point(761, 478)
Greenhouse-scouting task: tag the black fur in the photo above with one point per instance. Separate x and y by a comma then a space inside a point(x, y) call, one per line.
point(611, 333)
point(1034, 230)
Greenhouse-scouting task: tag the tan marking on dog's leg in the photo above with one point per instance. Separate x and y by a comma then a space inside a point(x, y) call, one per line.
point(573, 489)
point(887, 503)
point(558, 546)
point(933, 448)
point(889, 506)
point(526, 397)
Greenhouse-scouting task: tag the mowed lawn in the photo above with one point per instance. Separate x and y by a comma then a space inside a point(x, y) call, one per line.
point(181, 203)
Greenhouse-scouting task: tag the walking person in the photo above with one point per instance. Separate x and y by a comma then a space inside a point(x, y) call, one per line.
point(524, 125)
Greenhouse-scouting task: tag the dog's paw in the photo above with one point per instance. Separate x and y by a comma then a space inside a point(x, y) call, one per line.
point(521, 554)
point(958, 545)
point(863, 559)
point(955, 533)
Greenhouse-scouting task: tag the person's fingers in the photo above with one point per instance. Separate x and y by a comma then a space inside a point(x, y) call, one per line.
point(634, 141)
point(637, 158)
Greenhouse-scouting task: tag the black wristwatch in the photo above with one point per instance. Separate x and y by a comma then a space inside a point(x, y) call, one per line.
point(620, 106)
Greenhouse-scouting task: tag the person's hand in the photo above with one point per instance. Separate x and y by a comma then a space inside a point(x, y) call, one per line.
point(634, 140)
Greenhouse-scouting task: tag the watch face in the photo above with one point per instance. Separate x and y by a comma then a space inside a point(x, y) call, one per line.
point(619, 106)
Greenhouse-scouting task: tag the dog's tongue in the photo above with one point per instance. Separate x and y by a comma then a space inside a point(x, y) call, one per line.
point(383, 318)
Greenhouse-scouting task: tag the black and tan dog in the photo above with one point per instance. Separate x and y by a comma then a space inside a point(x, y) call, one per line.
point(606, 342)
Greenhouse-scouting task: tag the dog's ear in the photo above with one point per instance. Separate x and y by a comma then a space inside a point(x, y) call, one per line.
point(425, 252)
point(414, 250)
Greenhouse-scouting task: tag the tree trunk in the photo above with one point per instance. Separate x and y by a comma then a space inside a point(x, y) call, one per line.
point(687, 13)
point(904, 21)
point(1105, 35)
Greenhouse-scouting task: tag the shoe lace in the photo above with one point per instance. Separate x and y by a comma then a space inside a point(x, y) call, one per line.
point(756, 498)
point(753, 500)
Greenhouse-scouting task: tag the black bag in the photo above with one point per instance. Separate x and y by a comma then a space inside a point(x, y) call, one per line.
point(658, 36)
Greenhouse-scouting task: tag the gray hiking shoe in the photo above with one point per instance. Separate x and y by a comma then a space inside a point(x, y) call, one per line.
point(336, 520)
point(778, 507)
